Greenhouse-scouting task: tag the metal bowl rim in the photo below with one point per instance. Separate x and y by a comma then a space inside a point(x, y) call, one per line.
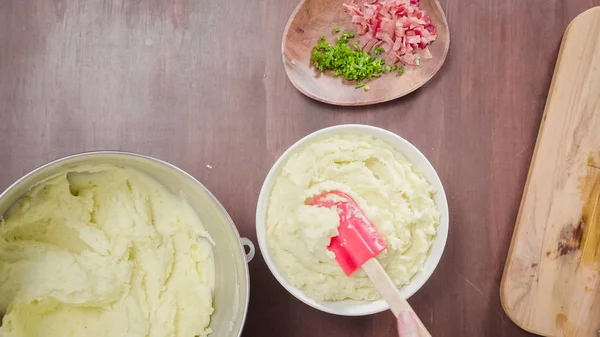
point(171, 166)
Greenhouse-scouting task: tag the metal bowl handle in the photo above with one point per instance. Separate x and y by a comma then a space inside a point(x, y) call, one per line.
point(247, 243)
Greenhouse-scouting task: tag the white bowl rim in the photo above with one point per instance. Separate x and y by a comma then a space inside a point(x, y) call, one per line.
point(351, 307)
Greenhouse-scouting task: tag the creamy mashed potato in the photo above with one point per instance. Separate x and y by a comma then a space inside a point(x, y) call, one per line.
point(104, 251)
point(395, 196)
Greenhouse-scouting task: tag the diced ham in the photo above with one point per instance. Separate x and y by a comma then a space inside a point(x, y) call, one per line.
point(398, 44)
point(427, 39)
point(352, 9)
point(358, 19)
point(388, 26)
point(409, 58)
point(400, 27)
point(431, 29)
point(363, 41)
point(413, 20)
point(391, 57)
point(426, 53)
point(400, 31)
point(413, 39)
point(370, 45)
point(386, 47)
point(385, 13)
point(384, 37)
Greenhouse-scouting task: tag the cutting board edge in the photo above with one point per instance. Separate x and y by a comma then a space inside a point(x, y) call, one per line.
point(503, 282)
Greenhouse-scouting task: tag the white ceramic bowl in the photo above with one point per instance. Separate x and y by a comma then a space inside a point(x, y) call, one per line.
point(353, 307)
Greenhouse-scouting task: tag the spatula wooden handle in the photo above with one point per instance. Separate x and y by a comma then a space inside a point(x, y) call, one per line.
point(390, 292)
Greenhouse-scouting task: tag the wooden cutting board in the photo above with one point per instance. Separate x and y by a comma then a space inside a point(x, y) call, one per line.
point(551, 282)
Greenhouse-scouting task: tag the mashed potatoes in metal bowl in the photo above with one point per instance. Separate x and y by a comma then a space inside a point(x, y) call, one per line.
point(104, 251)
point(395, 196)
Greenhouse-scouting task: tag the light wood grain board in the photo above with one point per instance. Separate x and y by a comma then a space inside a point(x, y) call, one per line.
point(551, 283)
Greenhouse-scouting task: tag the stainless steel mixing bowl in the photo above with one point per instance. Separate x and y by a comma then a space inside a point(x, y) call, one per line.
point(232, 283)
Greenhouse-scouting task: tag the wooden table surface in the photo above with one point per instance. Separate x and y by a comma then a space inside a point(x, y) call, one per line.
point(200, 83)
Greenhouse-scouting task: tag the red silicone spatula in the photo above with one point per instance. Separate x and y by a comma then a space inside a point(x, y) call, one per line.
point(357, 245)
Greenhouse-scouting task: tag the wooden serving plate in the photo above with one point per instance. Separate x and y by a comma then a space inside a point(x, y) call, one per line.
point(551, 282)
point(314, 18)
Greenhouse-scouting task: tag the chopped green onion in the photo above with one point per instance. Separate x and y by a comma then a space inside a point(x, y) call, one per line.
point(401, 70)
point(359, 85)
point(378, 51)
point(367, 88)
point(336, 29)
point(350, 63)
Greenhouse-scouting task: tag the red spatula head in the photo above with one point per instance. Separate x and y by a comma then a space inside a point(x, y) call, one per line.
point(357, 240)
